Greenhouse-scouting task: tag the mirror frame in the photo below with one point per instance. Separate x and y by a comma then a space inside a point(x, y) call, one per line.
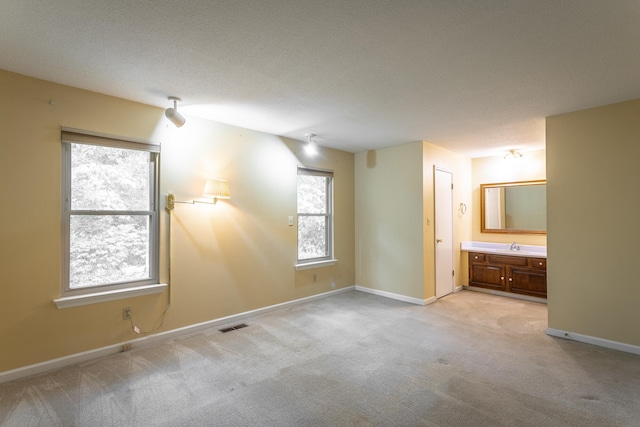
point(505, 184)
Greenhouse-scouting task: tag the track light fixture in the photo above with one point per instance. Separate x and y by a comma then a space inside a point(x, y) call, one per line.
point(172, 113)
point(311, 148)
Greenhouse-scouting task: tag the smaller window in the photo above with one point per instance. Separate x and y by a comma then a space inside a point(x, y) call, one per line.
point(315, 215)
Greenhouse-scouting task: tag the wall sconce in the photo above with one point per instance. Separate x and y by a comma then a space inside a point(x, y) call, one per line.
point(172, 113)
point(512, 154)
point(214, 189)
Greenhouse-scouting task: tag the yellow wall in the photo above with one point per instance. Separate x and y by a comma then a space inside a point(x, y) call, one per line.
point(460, 167)
point(226, 259)
point(593, 207)
point(489, 170)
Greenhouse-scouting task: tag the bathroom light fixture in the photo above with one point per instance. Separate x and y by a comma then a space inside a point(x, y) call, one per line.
point(311, 148)
point(512, 154)
point(214, 189)
point(172, 113)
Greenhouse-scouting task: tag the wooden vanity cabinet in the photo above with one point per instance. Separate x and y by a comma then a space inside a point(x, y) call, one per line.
point(515, 274)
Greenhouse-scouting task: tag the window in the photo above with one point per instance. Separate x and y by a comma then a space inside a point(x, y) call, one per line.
point(315, 215)
point(109, 214)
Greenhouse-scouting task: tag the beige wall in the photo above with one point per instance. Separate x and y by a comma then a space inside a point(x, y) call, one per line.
point(593, 216)
point(226, 259)
point(389, 220)
point(394, 217)
point(489, 170)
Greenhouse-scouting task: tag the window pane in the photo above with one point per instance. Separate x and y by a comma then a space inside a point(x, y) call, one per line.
point(312, 194)
point(107, 178)
point(312, 237)
point(108, 249)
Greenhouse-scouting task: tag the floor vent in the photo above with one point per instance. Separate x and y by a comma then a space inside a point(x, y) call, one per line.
point(233, 328)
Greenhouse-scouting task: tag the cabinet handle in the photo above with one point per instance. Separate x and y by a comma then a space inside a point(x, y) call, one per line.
point(501, 277)
point(476, 257)
point(510, 279)
point(539, 263)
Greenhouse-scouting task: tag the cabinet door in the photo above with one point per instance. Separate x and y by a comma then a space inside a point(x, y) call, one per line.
point(532, 282)
point(487, 276)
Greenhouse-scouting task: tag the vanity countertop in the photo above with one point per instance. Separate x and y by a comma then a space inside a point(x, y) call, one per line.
point(504, 249)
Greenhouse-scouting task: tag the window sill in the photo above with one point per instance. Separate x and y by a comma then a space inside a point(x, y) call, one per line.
point(78, 300)
point(310, 265)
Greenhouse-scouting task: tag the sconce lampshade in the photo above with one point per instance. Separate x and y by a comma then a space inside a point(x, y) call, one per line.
point(216, 189)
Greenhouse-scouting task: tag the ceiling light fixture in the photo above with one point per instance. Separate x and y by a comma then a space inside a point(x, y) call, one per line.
point(172, 113)
point(311, 148)
point(512, 154)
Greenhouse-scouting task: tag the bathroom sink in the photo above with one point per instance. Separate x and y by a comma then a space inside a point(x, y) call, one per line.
point(504, 249)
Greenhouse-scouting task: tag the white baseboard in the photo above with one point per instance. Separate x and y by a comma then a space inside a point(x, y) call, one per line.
point(505, 294)
point(601, 342)
point(458, 289)
point(396, 296)
point(85, 356)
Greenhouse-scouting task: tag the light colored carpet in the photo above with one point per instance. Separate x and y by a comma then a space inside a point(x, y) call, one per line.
point(352, 359)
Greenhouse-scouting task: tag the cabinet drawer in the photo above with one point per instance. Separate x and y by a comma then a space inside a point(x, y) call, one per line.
point(540, 263)
point(476, 257)
point(508, 260)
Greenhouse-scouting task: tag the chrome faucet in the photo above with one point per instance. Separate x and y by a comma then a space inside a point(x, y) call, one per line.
point(515, 246)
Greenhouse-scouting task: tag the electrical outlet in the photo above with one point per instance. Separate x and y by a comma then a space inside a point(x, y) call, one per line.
point(126, 313)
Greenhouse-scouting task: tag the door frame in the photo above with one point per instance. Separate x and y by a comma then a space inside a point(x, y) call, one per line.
point(450, 233)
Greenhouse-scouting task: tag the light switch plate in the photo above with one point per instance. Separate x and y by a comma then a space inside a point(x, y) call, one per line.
point(290, 220)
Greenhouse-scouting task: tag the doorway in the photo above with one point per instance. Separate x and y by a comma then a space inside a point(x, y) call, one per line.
point(443, 200)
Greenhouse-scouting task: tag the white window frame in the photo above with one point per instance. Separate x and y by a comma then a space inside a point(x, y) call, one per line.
point(328, 258)
point(106, 292)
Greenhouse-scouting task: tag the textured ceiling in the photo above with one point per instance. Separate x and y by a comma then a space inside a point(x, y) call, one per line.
point(476, 76)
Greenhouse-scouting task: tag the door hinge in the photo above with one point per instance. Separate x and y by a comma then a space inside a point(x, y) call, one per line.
point(452, 186)
point(453, 272)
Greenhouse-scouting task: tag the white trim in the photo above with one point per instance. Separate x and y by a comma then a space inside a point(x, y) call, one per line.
point(54, 364)
point(315, 264)
point(115, 139)
point(116, 294)
point(72, 359)
point(458, 289)
point(505, 294)
point(396, 296)
point(600, 342)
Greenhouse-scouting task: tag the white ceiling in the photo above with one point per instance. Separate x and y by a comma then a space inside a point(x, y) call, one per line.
point(477, 77)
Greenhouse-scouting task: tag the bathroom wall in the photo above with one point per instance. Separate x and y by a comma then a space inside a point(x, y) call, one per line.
point(496, 169)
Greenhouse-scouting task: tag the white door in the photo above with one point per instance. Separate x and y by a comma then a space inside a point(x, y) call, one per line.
point(443, 188)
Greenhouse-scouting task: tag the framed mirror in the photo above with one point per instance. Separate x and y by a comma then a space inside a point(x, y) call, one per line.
point(514, 207)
